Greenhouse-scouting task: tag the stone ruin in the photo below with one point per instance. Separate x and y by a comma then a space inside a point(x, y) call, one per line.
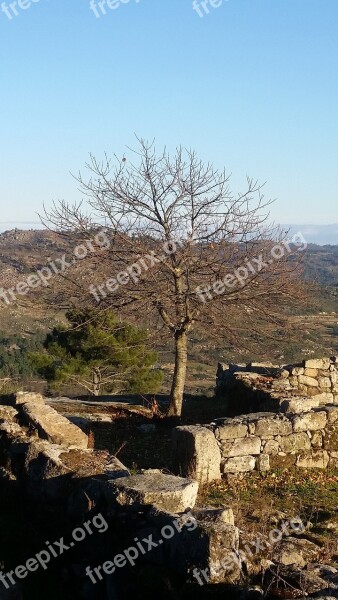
point(47, 459)
point(283, 416)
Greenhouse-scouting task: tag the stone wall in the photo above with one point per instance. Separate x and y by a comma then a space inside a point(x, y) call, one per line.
point(46, 459)
point(298, 428)
point(264, 386)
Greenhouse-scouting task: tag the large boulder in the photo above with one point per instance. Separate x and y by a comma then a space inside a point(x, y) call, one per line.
point(166, 492)
point(196, 453)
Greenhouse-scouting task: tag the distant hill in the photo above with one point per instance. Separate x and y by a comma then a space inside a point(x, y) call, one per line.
point(22, 252)
point(316, 234)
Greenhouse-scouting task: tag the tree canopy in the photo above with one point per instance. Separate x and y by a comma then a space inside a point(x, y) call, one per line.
point(99, 354)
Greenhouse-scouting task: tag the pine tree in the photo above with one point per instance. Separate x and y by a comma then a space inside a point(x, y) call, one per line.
point(99, 354)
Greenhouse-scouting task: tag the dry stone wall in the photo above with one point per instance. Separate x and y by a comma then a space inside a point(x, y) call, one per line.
point(264, 386)
point(48, 461)
point(298, 428)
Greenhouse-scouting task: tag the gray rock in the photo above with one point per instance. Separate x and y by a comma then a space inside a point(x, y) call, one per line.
point(273, 425)
point(295, 442)
point(271, 447)
point(196, 453)
point(53, 426)
point(316, 459)
point(32, 397)
point(239, 464)
point(232, 430)
point(263, 463)
point(312, 421)
point(245, 446)
point(296, 551)
point(167, 492)
point(300, 405)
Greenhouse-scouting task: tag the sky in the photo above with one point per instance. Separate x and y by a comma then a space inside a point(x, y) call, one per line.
point(251, 85)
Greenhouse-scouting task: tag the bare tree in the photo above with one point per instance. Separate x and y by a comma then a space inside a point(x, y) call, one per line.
point(185, 251)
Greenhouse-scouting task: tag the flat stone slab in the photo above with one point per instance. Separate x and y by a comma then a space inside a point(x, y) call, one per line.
point(54, 427)
point(167, 492)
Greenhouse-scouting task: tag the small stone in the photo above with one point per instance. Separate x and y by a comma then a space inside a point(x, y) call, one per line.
point(271, 447)
point(324, 382)
point(308, 381)
point(311, 372)
point(232, 430)
point(263, 463)
point(273, 425)
point(245, 446)
point(317, 459)
point(311, 421)
point(317, 439)
point(320, 363)
point(332, 414)
point(295, 442)
point(295, 371)
point(239, 464)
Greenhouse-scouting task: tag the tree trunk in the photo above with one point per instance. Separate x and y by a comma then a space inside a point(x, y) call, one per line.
point(177, 388)
point(96, 382)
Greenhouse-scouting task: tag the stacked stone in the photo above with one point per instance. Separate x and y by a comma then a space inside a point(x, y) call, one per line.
point(317, 378)
point(263, 441)
point(301, 437)
point(262, 383)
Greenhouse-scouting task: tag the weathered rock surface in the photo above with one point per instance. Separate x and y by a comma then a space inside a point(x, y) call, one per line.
point(300, 405)
point(32, 397)
point(7, 413)
point(167, 492)
point(244, 447)
point(271, 425)
point(232, 430)
point(54, 427)
point(296, 551)
point(196, 453)
point(295, 442)
point(310, 421)
point(239, 464)
point(317, 459)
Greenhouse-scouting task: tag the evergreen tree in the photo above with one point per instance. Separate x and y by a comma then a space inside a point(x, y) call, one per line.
point(99, 354)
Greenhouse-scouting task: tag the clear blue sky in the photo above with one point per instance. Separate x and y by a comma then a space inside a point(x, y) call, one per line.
point(253, 86)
